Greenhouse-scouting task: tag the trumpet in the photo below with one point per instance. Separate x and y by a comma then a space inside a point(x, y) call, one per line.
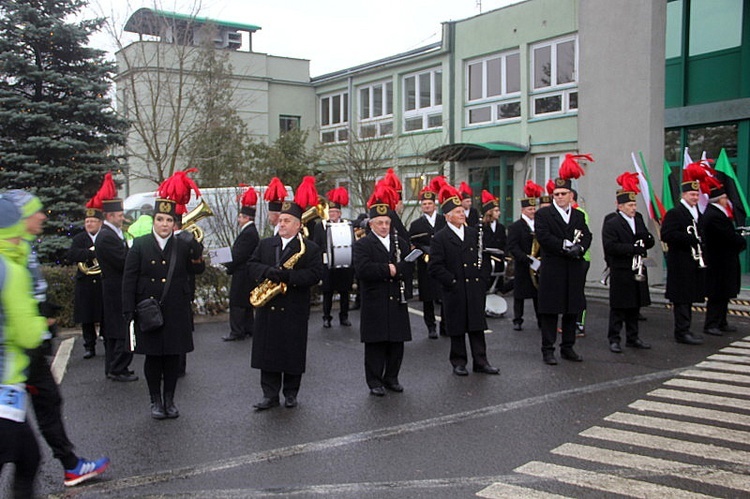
point(637, 266)
point(190, 220)
point(696, 251)
point(93, 269)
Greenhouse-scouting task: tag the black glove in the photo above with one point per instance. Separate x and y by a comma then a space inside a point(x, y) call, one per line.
point(284, 275)
point(639, 250)
point(273, 275)
point(128, 316)
point(575, 251)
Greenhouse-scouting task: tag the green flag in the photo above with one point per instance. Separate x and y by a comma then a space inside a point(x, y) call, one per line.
point(666, 188)
point(732, 186)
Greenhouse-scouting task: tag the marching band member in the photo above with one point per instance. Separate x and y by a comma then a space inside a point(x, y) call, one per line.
point(382, 272)
point(520, 242)
point(280, 336)
point(454, 263)
point(472, 214)
point(723, 248)
point(626, 240)
point(546, 199)
point(682, 231)
point(241, 318)
point(563, 237)
point(87, 309)
point(274, 196)
point(111, 250)
point(335, 279)
point(159, 266)
point(493, 232)
point(421, 232)
point(390, 179)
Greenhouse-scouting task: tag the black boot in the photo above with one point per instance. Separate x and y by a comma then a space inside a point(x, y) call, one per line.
point(169, 406)
point(157, 407)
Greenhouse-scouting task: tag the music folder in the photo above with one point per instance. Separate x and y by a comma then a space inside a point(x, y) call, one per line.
point(415, 253)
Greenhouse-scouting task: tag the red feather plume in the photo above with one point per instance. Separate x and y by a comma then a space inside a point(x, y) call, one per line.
point(339, 195)
point(178, 187)
point(465, 190)
point(392, 180)
point(436, 183)
point(108, 190)
point(447, 192)
point(487, 197)
point(570, 168)
point(629, 182)
point(249, 197)
point(532, 189)
point(383, 193)
point(307, 194)
point(275, 192)
point(550, 186)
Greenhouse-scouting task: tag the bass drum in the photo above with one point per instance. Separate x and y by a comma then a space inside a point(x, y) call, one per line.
point(339, 240)
point(495, 306)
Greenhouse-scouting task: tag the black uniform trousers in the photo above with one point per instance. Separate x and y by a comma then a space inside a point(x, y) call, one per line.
point(716, 314)
point(117, 356)
point(20, 448)
point(549, 331)
point(618, 316)
point(88, 330)
point(383, 362)
point(683, 316)
point(47, 402)
point(241, 321)
point(272, 382)
point(428, 308)
point(518, 307)
point(458, 355)
point(158, 368)
point(343, 305)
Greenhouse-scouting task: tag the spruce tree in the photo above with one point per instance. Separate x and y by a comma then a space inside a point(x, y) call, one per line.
point(57, 122)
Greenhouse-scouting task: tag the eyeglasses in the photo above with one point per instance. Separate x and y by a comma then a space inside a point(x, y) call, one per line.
point(560, 194)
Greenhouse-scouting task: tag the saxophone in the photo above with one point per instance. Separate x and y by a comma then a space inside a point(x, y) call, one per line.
point(267, 290)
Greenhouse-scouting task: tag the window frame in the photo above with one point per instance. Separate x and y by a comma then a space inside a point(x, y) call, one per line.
point(337, 131)
point(376, 125)
point(423, 114)
point(296, 119)
point(492, 103)
point(567, 92)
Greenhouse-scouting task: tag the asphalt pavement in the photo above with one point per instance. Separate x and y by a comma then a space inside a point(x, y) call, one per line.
point(444, 437)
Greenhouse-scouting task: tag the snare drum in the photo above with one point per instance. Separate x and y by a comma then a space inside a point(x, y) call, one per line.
point(339, 240)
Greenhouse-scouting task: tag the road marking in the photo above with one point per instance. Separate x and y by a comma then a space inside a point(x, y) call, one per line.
point(701, 398)
point(708, 386)
point(502, 490)
point(672, 425)
point(697, 473)
point(724, 366)
point(693, 412)
point(60, 362)
point(601, 481)
point(717, 376)
point(705, 451)
point(734, 359)
point(736, 350)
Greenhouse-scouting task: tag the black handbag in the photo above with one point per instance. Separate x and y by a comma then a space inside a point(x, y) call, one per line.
point(148, 311)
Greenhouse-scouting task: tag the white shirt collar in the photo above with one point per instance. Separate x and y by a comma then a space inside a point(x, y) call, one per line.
point(245, 225)
point(724, 210)
point(493, 225)
point(431, 218)
point(529, 221)
point(629, 220)
point(385, 240)
point(93, 236)
point(692, 209)
point(161, 241)
point(565, 214)
point(275, 229)
point(459, 231)
point(117, 230)
point(285, 241)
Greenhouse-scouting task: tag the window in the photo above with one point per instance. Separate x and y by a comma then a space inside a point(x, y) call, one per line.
point(423, 100)
point(493, 88)
point(545, 168)
point(714, 25)
point(674, 29)
point(288, 123)
point(376, 110)
point(555, 77)
point(334, 118)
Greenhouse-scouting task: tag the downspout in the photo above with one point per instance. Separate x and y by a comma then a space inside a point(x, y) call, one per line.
point(451, 36)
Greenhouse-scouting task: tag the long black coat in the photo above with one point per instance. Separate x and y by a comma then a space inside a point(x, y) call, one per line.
point(520, 239)
point(146, 269)
point(454, 264)
point(280, 334)
point(111, 252)
point(421, 234)
point(686, 282)
point(561, 278)
point(337, 279)
point(242, 249)
point(723, 247)
point(383, 316)
point(473, 219)
point(494, 239)
point(88, 292)
point(619, 244)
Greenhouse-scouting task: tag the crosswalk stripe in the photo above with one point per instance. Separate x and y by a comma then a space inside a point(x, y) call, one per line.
point(601, 481)
point(701, 398)
point(672, 425)
point(500, 490)
point(736, 350)
point(734, 359)
point(741, 343)
point(710, 387)
point(716, 376)
point(693, 412)
point(698, 473)
point(724, 366)
point(705, 451)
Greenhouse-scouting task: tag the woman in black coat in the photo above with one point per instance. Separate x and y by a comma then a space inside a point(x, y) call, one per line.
point(146, 270)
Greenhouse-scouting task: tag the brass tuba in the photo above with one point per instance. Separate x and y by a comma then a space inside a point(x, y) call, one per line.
point(189, 221)
point(267, 290)
point(93, 269)
point(535, 249)
point(319, 211)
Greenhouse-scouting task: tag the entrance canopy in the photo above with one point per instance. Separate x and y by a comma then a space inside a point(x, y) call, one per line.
point(468, 151)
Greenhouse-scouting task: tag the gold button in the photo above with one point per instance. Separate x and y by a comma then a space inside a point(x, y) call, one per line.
point(163, 279)
point(464, 265)
point(467, 280)
point(153, 262)
point(273, 308)
point(152, 279)
point(163, 262)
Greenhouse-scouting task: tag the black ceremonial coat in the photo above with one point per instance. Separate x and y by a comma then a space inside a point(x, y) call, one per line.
point(561, 278)
point(494, 239)
point(383, 316)
point(473, 219)
point(723, 247)
point(686, 283)
point(421, 234)
point(338, 279)
point(520, 239)
point(619, 244)
point(146, 269)
point(111, 252)
point(280, 334)
point(88, 291)
point(242, 249)
point(453, 263)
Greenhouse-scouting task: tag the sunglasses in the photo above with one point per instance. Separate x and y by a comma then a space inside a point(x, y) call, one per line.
point(560, 194)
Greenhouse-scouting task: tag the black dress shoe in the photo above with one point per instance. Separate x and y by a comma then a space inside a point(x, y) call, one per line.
point(394, 387)
point(89, 354)
point(615, 347)
point(689, 339)
point(345, 322)
point(378, 391)
point(432, 333)
point(231, 337)
point(326, 323)
point(638, 343)
point(157, 410)
point(728, 329)
point(486, 369)
point(123, 377)
point(570, 354)
point(290, 402)
point(169, 406)
point(549, 359)
point(266, 403)
point(460, 371)
point(517, 327)
point(713, 331)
